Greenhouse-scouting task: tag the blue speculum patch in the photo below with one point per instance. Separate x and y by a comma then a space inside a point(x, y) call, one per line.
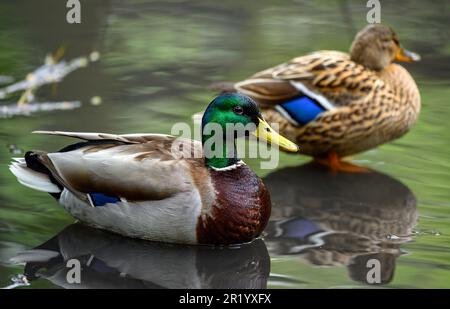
point(303, 109)
point(100, 199)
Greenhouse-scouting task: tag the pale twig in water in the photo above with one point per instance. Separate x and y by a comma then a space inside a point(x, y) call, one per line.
point(8, 111)
point(53, 71)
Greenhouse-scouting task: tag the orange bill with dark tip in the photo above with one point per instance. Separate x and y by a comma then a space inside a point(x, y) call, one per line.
point(406, 55)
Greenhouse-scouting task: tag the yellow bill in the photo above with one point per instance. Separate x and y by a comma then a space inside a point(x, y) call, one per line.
point(265, 132)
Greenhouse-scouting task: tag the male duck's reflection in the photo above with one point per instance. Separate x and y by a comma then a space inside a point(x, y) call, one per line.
point(342, 219)
point(112, 261)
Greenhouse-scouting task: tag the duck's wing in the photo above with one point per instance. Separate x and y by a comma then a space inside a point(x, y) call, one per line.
point(134, 138)
point(328, 77)
point(133, 167)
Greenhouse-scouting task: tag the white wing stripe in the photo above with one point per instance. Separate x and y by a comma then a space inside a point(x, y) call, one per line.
point(319, 98)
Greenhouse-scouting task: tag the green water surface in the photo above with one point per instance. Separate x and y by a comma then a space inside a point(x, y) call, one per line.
point(157, 58)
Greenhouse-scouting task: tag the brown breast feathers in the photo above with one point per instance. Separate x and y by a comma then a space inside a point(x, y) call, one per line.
point(240, 211)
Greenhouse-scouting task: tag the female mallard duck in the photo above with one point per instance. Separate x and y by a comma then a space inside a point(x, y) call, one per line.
point(335, 104)
point(154, 186)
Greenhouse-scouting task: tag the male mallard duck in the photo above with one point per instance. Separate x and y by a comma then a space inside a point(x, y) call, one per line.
point(154, 186)
point(335, 104)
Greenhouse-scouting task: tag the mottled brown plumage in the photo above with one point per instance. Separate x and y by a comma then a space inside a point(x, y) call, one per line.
point(374, 100)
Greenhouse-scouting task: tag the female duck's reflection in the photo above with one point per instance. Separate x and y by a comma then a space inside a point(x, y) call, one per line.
point(111, 261)
point(342, 219)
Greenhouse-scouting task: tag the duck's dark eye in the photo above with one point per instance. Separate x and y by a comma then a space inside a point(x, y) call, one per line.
point(238, 110)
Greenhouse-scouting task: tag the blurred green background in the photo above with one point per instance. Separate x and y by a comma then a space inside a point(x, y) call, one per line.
point(157, 58)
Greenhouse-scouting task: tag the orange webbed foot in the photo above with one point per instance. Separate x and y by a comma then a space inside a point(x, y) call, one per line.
point(336, 165)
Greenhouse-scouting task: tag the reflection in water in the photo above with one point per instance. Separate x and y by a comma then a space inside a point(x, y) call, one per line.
point(343, 219)
point(112, 261)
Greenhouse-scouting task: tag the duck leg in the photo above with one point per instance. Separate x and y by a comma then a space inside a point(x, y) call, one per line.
point(335, 164)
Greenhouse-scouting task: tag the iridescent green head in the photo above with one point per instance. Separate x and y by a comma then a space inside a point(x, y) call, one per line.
point(231, 108)
point(227, 112)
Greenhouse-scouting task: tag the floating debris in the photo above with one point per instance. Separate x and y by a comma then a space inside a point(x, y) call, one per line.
point(94, 56)
point(53, 71)
point(18, 281)
point(46, 74)
point(96, 100)
point(8, 111)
